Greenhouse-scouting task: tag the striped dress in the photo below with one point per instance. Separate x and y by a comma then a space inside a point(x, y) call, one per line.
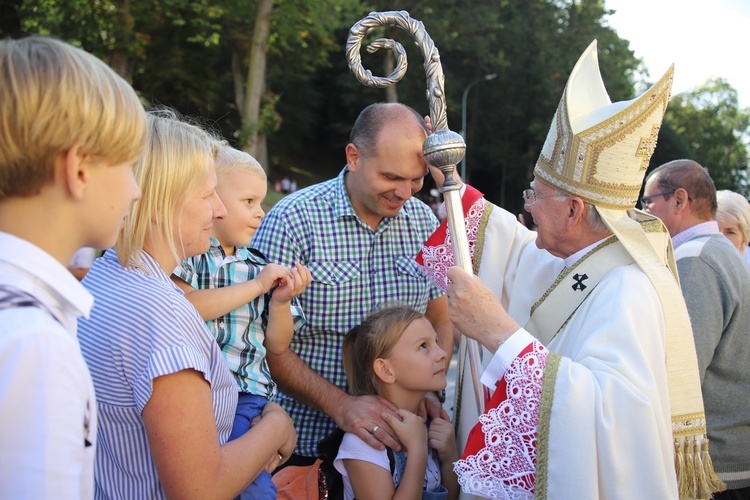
point(142, 327)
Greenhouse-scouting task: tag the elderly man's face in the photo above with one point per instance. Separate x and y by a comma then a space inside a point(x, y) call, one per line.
point(548, 212)
point(658, 202)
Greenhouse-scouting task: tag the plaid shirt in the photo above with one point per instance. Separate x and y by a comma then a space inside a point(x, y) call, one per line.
point(354, 270)
point(240, 333)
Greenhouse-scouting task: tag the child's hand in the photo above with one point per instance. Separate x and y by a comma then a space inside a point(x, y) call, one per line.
point(442, 438)
point(409, 429)
point(293, 284)
point(270, 275)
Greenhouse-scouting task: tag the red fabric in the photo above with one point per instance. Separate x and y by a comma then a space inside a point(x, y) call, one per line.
point(476, 444)
point(436, 255)
point(471, 195)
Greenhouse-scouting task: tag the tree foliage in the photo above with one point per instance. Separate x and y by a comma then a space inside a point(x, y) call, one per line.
point(715, 130)
point(195, 55)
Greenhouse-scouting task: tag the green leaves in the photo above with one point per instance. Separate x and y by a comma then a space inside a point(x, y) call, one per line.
point(708, 119)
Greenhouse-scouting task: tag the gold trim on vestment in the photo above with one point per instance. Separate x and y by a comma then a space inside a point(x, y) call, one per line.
point(542, 425)
point(479, 247)
point(564, 273)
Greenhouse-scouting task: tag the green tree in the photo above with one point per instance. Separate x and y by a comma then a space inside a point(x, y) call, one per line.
point(532, 47)
point(287, 39)
point(715, 129)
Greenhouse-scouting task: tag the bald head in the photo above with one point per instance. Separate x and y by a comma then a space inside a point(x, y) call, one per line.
point(404, 121)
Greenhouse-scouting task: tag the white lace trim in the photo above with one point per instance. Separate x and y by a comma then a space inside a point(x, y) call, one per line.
point(437, 259)
point(505, 468)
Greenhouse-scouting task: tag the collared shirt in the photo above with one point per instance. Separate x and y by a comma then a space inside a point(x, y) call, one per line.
point(142, 328)
point(47, 406)
point(708, 227)
point(240, 333)
point(354, 270)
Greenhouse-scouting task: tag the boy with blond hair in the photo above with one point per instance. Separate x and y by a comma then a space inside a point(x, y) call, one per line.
point(248, 304)
point(70, 132)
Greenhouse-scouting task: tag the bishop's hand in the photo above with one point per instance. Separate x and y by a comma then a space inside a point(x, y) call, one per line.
point(475, 310)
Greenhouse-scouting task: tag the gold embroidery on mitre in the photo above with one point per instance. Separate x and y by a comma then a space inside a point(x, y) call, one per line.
point(604, 164)
point(647, 146)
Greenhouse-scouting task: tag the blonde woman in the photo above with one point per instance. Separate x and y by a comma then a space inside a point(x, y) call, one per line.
point(733, 216)
point(166, 397)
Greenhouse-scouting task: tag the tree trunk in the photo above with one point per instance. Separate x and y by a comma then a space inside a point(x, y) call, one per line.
point(239, 90)
point(256, 79)
point(261, 154)
point(119, 59)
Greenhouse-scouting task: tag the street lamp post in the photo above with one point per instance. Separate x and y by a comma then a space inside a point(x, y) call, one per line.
point(491, 76)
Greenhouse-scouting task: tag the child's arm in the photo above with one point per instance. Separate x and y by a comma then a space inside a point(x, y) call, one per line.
point(442, 438)
point(372, 482)
point(280, 326)
point(213, 303)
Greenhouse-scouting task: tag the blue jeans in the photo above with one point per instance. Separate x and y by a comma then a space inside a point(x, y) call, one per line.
point(250, 406)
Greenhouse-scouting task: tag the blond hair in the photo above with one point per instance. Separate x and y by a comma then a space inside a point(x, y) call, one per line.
point(374, 338)
point(231, 159)
point(54, 96)
point(734, 206)
point(177, 157)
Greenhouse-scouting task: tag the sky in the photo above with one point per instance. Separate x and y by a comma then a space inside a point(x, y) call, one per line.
point(703, 38)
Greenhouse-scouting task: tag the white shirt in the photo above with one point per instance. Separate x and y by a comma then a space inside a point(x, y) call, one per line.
point(83, 257)
point(47, 404)
point(353, 448)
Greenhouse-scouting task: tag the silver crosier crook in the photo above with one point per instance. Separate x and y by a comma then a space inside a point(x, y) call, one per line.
point(442, 149)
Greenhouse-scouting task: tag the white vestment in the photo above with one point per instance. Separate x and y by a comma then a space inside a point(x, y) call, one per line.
point(606, 425)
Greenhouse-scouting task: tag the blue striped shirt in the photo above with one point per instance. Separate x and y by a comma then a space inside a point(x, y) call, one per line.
point(354, 270)
point(142, 327)
point(239, 333)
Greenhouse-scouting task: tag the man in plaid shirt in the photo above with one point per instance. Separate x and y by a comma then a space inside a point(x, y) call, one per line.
point(358, 234)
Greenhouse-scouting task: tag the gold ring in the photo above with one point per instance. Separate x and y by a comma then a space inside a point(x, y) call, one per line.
point(281, 457)
point(375, 429)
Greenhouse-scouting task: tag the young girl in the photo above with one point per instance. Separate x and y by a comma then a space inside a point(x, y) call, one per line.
point(394, 354)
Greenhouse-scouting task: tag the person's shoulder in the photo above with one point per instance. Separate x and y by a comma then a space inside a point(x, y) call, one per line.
point(418, 205)
point(720, 246)
point(725, 259)
point(714, 251)
point(34, 330)
point(702, 245)
point(255, 256)
point(191, 263)
point(310, 195)
point(299, 212)
point(420, 211)
point(353, 447)
point(131, 288)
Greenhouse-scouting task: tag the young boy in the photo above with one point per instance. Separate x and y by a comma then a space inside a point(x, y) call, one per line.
point(247, 302)
point(70, 132)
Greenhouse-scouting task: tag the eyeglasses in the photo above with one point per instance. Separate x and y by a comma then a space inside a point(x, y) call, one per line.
point(530, 196)
point(646, 200)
